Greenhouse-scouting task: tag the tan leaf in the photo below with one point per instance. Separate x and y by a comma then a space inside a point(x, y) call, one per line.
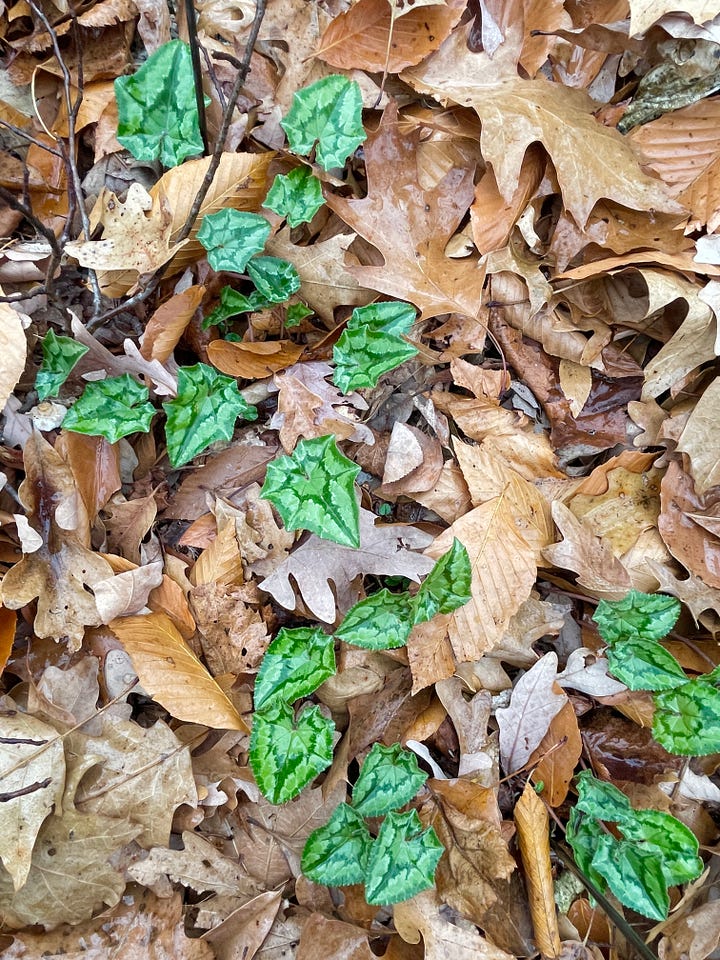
point(254, 360)
point(421, 917)
point(221, 561)
point(127, 593)
point(699, 439)
point(533, 705)
point(362, 37)
point(533, 825)
point(687, 540)
point(692, 591)
point(127, 523)
point(644, 13)
point(693, 935)
point(233, 634)
point(558, 754)
point(95, 466)
point(322, 938)
point(449, 498)
point(516, 112)
point(165, 327)
point(33, 781)
point(503, 574)
point(57, 573)
point(247, 929)
point(492, 215)
point(71, 876)
point(172, 674)
point(240, 183)
point(13, 351)
point(411, 226)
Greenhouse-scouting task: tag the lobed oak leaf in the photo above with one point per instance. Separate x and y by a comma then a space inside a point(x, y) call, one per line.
point(411, 226)
point(591, 161)
point(58, 572)
point(318, 563)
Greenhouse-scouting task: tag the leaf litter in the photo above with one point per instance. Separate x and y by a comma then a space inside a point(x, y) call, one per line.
point(399, 351)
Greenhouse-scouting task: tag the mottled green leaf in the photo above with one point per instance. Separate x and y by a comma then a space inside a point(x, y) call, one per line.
point(381, 621)
point(402, 860)
point(638, 616)
point(447, 586)
point(585, 835)
point(157, 109)
point(231, 237)
point(60, 354)
point(600, 799)
point(111, 408)
point(276, 279)
point(205, 410)
point(687, 719)
point(328, 112)
point(713, 676)
point(372, 344)
point(295, 313)
point(337, 853)
point(389, 778)
point(634, 874)
point(286, 754)
point(675, 843)
point(231, 304)
point(644, 665)
point(297, 196)
point(314, 489)
point(296, 663)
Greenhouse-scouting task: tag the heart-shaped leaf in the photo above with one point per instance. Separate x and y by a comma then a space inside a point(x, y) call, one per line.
point(402, 860)
point(372, 343)
point(381, 621)
point(231, 237)
point(276, 279)
point(687, 719)
point(297, 196)
point(296, 663)
point(337, 854)
point(288, 753)
point(389, 778)
point(111, 408)
point(447, 586)
point(60, 354)
point(642, 616)
point(644, 665)
point(329, 113)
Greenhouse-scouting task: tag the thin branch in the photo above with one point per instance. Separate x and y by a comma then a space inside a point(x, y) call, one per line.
point(98, 321)
point(191, 19)
point(19, 132)
point(12, 201)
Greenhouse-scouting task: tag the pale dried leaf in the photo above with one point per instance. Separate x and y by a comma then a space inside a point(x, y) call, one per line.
point(127, 593)
point(13, 351)
point(533, 826)
point(533, 704)
point(588, 673)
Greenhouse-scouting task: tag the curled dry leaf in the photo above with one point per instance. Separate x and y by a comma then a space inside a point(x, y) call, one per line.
point(533, 826)
point(172, 674)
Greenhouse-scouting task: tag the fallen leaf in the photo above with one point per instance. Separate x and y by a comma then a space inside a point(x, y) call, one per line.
point(412, 228)
point(533, 826)
point(167, 325)
point(13, 351)
point(557, 756)
point(172, 674)
point(243, 933)
point(255, 360)
point(127, 593)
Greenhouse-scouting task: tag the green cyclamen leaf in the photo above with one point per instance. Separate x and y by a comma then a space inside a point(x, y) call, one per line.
point(297, 196)
point(111, 408)
point(389, 778)
point(687, 719)
point(381, 621)
point(600, 799)
point(276, 279)
point(286, 754)
point(447, 586)
point(337, 853)
point(296, 663)
point(372, 344)
point(231, 237)
point(60, 354)
point(638, 616)
point(676, 844)
point(295, 313)
point(585, 835)
point(644, 665)
point(329, 112)
point(314, 489)
point(205, 410)
point(157, 109)
point(233, 303)
point(634, 874)
point(402, 860)
point(713, 676)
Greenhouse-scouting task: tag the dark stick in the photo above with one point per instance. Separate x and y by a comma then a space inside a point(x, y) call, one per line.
point(197, 71)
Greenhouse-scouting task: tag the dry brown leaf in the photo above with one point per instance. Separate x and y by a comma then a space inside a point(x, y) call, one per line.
point(172, 674)
point(558, 754)
point(95, 465)
point(692, 936)
point(165, 327)
point(127, 593)
point(221, 561)
point(413, 462)
point(503, 574)
point(32, 786)
point(362, 37)
point(254, 360)
point(71, 876)
point(8, 624)
point(492, 215)
point(533, 704)
point(411, 226)
point(240, 183)
point(57, 573)
point(323, 938)
point(699, 439)
point(127, 523)
point(450, 497)
point(246, 929)
point(516, 112)
point(689, 542)
point(141, 927)
point(422, 917)
point(233, 635)
point(533, 826)
point(13, 350)
point(644, 13)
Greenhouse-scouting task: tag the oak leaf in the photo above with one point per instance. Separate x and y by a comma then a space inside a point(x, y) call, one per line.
point(591, 161)
point(58, 572)
point(411, 226)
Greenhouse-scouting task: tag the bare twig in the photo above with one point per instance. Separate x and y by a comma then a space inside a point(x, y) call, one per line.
point(16, 204)
point(192, 216)
point(19, 132)
point(197, 71)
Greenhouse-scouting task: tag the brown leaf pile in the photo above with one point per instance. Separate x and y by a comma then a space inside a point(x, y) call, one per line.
point(541, 180)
